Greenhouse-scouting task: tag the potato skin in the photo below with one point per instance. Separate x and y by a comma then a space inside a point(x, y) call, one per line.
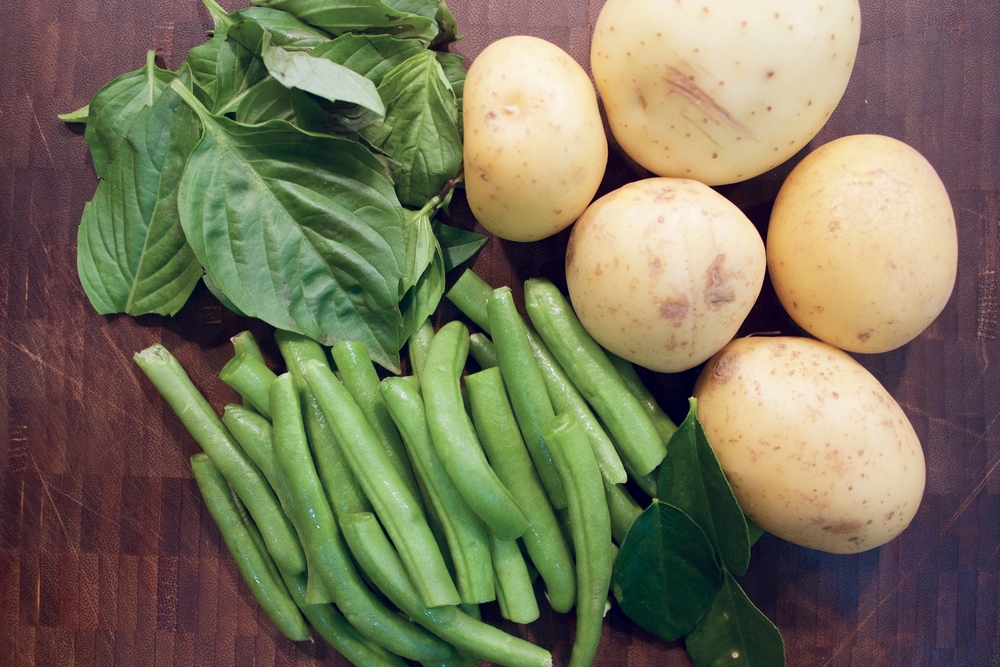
point(721, 91)
point(816, 450)
point(663, 271)
point(862, 245)
point(535, 149)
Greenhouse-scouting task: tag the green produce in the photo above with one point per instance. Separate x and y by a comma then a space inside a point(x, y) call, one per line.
point(513, 582)
point(250, 485)
point(376, 556)
point(467, 537)
point(296, 114)
point(252, 379)
point(256, 566)
point(590, 526)
point(399, 509)
point(588, 367)
point(455, 437)
point(494, 420)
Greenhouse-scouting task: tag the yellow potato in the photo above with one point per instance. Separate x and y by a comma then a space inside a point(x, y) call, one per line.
point(535, 149)
point(663, 271)
point(816, 450)
point(721, 91)
point(862, 246)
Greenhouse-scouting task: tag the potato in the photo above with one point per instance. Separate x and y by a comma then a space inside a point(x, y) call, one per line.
point(721, 91)
point(816, 450)
point(663, 271)
point(535, 149)
point(862, 246)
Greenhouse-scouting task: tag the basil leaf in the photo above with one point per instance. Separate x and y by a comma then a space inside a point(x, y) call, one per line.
point(451, 63)
point(79, 116)
point(734, 633)
point(300, 230)
point(115, 107)
point(666, 575)
point(372, 56)
point(447, 25)
point(427, 8)
point(320, 77)
point(132, 254)
point(237, 69)
point(422, 114)
point(691, 478)
point(457, 245)
point(286, 31)
point(268, 99)
point(425, 271)
point(202, 60)
point(369, 16)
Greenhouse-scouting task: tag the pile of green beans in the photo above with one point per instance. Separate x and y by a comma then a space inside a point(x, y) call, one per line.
point(381, 511)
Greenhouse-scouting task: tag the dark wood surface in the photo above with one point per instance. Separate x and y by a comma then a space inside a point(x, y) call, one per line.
point(106, 555)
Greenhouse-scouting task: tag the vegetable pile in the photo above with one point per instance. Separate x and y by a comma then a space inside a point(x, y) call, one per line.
point(295, 162)
point(331, 483)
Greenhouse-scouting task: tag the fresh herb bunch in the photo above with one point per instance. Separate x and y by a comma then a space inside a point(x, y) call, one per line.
point(295, 162)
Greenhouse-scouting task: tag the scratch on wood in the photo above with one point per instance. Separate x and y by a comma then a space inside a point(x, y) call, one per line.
point(41, 132)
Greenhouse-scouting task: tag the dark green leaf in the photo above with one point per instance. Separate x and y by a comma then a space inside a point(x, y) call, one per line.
point(422, 114)
point(372, 56)
point(734, 633)
point(756, 532)
point(203, 62)
point(321, 77)
point(115, 107)
point(666, 574)
point(300, 230)
point(426, 8)
point(447, 25)
point(458, 245)
point(691, 478)
point(369, 16)
point(237, 70)
point(132, 254)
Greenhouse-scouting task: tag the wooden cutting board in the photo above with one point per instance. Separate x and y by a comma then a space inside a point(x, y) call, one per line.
point(106, 554)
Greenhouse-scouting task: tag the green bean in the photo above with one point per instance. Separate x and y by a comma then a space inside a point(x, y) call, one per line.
point(455, 438)
point(332, 626)
point(513, 584)
point(465, 533)
point(483, 351)
point(471, 293)
point(590, 523)
point(547, 548)
point(525, 387)
point(252, 379)
point(205, 426)
point(253, 432)
point(567, 398)
point(359, 376)
point(374, 553)
point(665, 426)
point(253, 563)
point(587, 365)
point(417, 346)
point(341, 486)
point(331, 564)
point(622, 508)
point(244, 342)
point(395, 505)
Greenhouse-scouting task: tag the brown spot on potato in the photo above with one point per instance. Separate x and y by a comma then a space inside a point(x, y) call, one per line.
point(726, 366)
point(674, 310)
point(719, 290)
point(844, 527)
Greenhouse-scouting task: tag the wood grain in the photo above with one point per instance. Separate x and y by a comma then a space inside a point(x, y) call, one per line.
point(107, 556)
